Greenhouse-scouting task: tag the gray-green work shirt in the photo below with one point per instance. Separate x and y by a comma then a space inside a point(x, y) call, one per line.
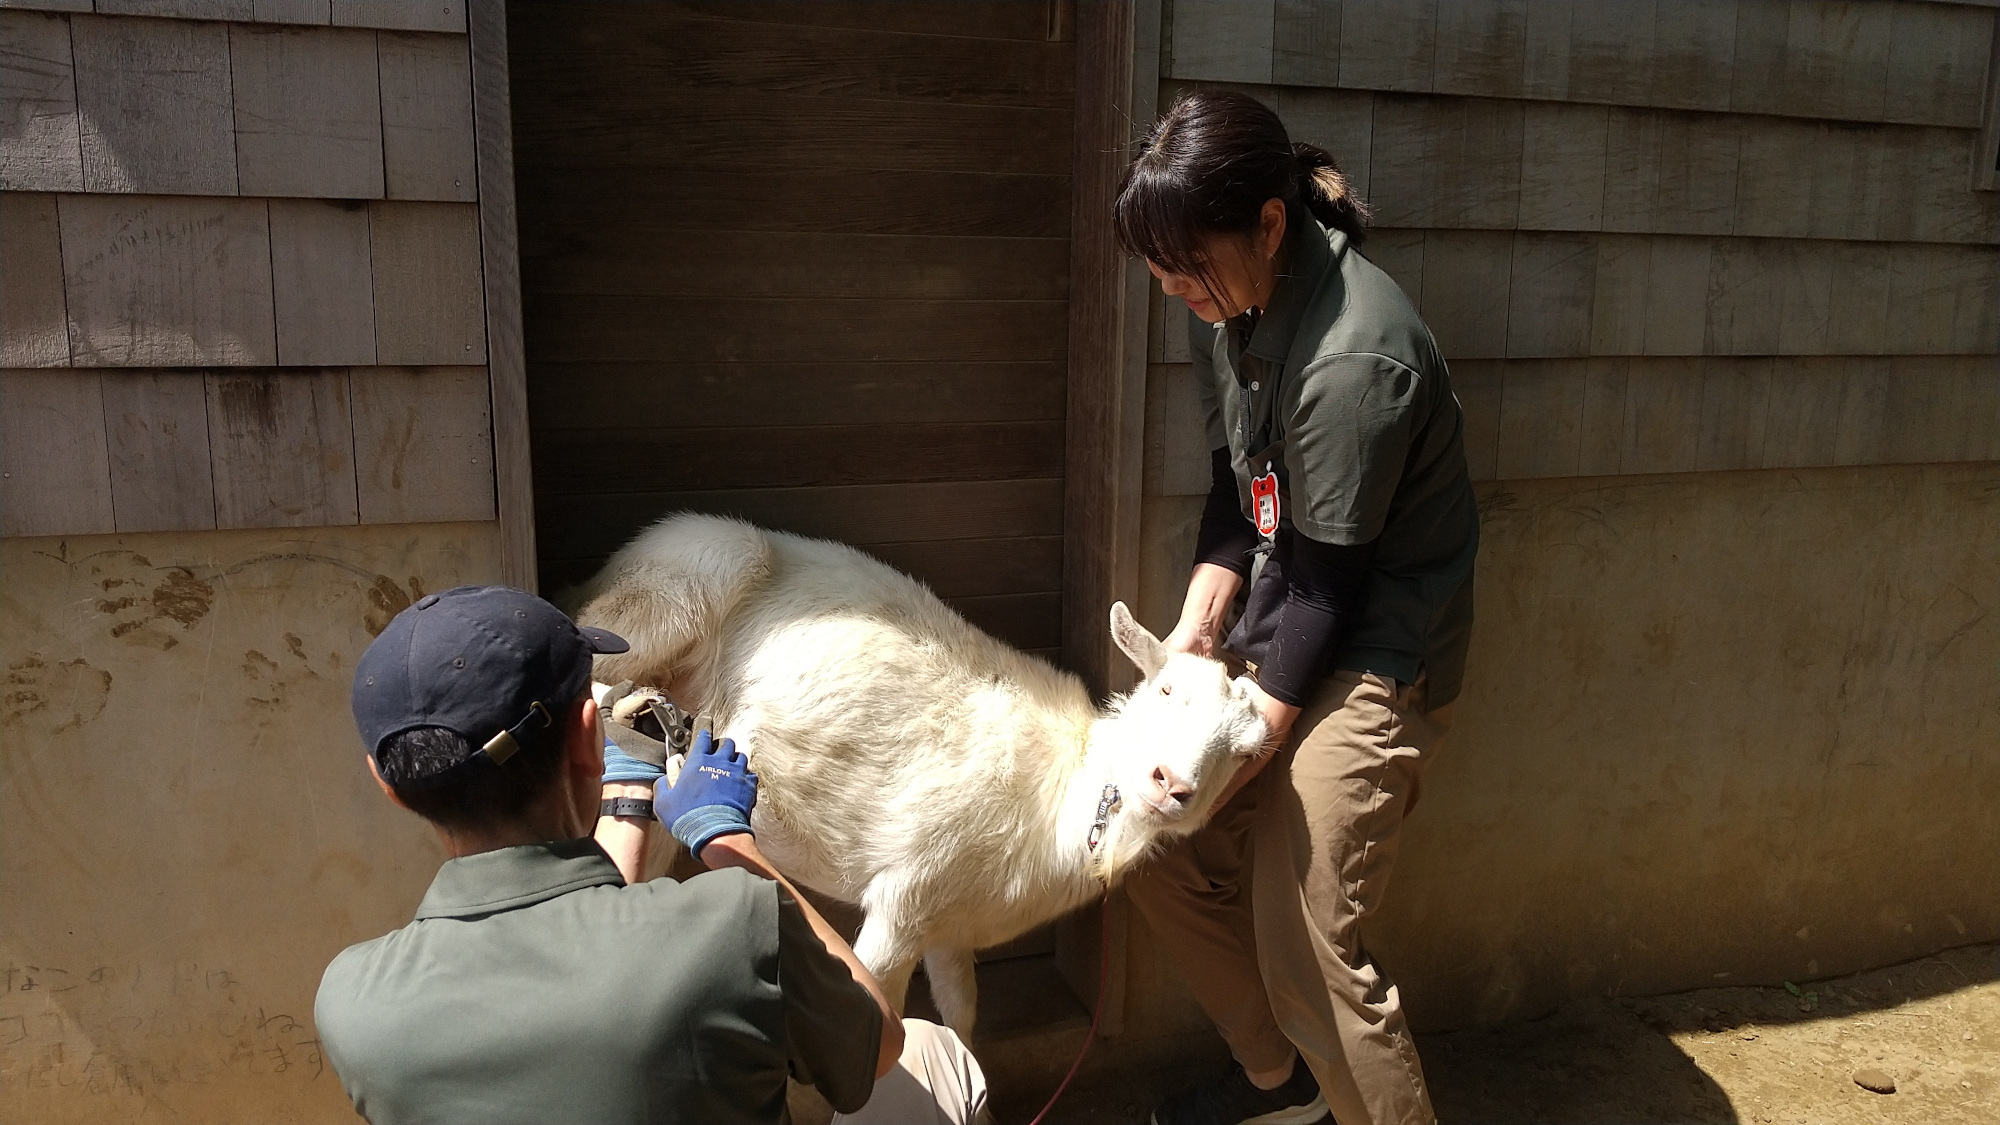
point(534, 986)
point(1339, 389)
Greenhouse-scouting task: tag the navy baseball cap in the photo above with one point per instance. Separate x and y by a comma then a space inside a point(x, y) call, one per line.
point(493, 663)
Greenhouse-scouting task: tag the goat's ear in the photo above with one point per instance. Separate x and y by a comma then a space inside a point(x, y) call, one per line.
point(1143, 647)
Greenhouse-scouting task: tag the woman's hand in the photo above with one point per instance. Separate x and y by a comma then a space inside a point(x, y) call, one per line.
point(1191, 635)
point(1210, 590)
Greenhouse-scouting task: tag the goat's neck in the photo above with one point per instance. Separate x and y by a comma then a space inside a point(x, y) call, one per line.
point(1083, 792)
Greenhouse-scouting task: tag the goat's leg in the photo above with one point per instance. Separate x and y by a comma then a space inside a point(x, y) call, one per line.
point(954, 987)
point(888, 944)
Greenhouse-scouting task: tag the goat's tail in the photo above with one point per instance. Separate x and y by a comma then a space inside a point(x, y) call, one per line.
point(668, 592)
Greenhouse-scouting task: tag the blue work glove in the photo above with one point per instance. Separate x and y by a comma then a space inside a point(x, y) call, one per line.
point(713, 796)
point(620, 766)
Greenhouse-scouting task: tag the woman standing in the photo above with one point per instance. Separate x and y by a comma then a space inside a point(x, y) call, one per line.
point(1340, 499)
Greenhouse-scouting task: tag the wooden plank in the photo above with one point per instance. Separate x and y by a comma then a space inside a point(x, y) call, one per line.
point(1676, 285)
point(1446, 162)
point(32, 306)
point(154, 101)
point(1937, 60)
point(1942, 408)
point(1400, 254)
point(500, 275)
point(167, 282)
point(1184, 448)
point(1221, 40)
point(753, 127)
point(1174, 329)
point(55, 476)
point(1551, 282)
point(595, 524)
point(1757, 80)
point(291, 11)
point(1735, 396)
point(1803, 421)
point(1859, 436)
point(762, 456)
point(1837, 60)
point(1775, 158)
point(1545, 49)
point(569, 328)
point(1693, 54)
point(667, 46)
point(428, 306)
point(401, 15)
point(1339, 121)
point(427, 149)
point(667, 392)
point(1479, 384)
point(179, 9)
point(1618, 302)
point(1029, 621)
point(1986, 149)
point(1806, 284)
point(41, 149)
point(579, 254)
point(1670, 173)
point(771, 197)
point(1610, 46)
point(1927, 172)
point(156, 426)
point(1480, 44)
point(1944, 300)
point(1305, 42)
point(321, 284)
point(986, 19)
point(423, 444)
point(1601, 434)
point(1541, 420)
point(970, 568)
point(49, 5)
point(308, 111)
point(1858, 313)
point(1105, 345)
point(1465, 295)
point(1663, 400)
point(281, 448)
point(1387, 45)
point(1745, 296)
point(1562, 166)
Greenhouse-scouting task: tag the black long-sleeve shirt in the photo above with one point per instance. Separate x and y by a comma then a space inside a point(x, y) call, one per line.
point(1297, 608)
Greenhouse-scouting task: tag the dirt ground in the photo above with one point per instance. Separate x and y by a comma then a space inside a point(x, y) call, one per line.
point(1717, 1055)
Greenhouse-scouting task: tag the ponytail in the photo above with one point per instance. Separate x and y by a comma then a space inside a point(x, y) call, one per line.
point(1325, 191)
point(1209, 166)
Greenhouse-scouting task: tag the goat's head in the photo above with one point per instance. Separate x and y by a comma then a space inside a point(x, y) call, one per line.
point(1176, 740)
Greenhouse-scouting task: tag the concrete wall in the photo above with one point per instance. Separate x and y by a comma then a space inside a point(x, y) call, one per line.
point(187, 832)
point(1730, 712)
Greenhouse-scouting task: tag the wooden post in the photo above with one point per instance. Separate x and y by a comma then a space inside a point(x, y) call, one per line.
point(1117, 82)
point(506, 364)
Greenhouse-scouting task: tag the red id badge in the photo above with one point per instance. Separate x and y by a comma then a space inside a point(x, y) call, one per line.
point(1264, 502)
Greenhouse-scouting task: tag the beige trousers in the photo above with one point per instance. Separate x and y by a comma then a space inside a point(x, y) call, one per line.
point(936, 1082)
point(1264, 909)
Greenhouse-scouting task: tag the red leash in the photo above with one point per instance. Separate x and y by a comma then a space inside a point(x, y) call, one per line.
point(1097, 1013)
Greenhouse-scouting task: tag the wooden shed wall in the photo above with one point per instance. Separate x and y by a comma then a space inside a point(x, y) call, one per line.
point(805, 263)
point(254, 335)
point(1720, 301)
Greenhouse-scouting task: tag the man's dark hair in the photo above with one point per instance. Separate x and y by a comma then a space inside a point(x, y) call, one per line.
point(441, 777)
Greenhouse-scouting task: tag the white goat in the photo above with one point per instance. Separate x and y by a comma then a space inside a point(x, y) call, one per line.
point(948, 784)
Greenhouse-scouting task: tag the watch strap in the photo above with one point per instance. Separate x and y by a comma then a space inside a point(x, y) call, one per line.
point(641, 807)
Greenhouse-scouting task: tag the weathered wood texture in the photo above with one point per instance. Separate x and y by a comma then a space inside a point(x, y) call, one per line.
point(189, 450)
point(1651, 237)
point(1870, 60)
point(116, 103)
point(808, 263)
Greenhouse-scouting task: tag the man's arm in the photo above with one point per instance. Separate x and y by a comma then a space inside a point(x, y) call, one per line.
point(740, 850)
point(624, 838)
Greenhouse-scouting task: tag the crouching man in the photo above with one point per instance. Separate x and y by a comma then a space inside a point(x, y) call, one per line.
point(534, 985)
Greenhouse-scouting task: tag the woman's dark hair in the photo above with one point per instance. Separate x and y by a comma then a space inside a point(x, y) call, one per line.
point(440, 777)
point(1207, 168)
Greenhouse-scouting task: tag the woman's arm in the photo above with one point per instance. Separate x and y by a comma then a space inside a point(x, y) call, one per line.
point(1221, 562)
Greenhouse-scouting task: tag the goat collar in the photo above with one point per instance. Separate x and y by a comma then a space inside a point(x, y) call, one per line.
point(1106, 802)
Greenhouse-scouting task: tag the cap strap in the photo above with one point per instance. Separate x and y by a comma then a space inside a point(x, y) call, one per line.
point(507, 743)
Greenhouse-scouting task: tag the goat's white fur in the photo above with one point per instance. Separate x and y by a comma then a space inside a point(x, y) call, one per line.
point(909, 762)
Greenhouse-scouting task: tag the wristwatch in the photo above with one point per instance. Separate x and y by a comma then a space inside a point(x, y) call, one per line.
point(641, 807)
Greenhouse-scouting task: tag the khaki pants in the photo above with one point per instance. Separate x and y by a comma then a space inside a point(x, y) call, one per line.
point(1264, 908)
point(936, 1082)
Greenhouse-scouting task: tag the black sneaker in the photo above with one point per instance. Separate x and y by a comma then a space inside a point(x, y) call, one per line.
point(1234, 1101)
